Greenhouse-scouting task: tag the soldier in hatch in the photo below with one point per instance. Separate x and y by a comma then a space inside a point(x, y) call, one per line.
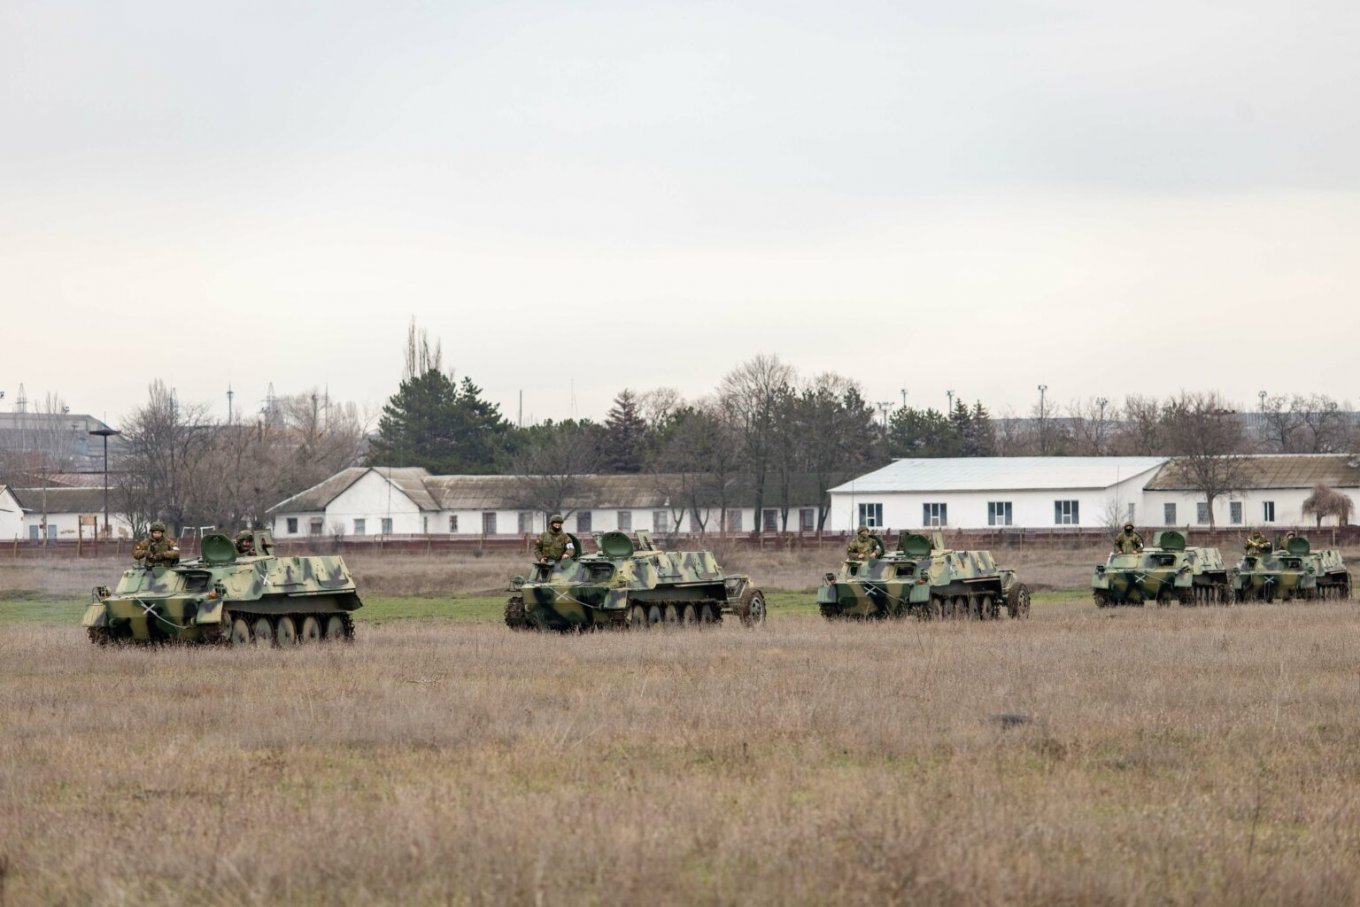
point(156, 549)
point(1128, 541)
point(1257, 544)
point(554, 544)
point(862, 546)
point(245, 543)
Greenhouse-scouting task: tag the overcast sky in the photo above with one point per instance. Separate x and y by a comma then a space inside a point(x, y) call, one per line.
point(978, 195)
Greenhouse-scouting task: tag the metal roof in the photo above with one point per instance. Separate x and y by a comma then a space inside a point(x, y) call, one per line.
point(1000, 474)
point(1277, 471)
point(63, 500)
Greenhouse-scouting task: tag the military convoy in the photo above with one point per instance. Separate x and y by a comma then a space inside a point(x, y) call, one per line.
point(1168, 571)
point(922, 578)
point(226, 597)
point(1291, 571)
point(630, 583)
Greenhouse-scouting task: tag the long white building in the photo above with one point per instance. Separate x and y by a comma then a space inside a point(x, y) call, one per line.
point(995, 492)
point(1084, 492)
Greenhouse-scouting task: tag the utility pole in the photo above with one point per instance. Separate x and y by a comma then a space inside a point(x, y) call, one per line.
point(104, 433)
point(904, 398)
point(950, 395)
point(885, 405)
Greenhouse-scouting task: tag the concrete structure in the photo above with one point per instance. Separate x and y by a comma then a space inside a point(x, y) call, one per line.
point(1273, 493)
point(995, 492)
point(62, 440)
point(371, 501)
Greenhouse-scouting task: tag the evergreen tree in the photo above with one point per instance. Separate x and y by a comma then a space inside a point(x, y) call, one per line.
point(625, 435)
point(445, 427)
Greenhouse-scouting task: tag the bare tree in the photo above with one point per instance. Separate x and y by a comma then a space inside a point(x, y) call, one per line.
point(1140, 432)
point(1205, 438)
point(750, 397)
point(1325, 502)
point(699, 467)
point(162, 441)
point(1093, 423)
point(553, 468)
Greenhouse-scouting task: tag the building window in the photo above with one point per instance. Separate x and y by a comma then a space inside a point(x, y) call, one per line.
point(733, 521)
point(453, 523)
point(661, 521)
point(34, 533)
point(292, 525)
point(807, 519)
point(1066, 513)
point(488, 523)
point(526, 522)
point(998, 513)
point(625, 521)
point(1201, 512)
point(1268, 511)
point(1235, 512)
point(934, 515)
point(871, 515)
point(769, 521)
point(387, 525)
point(583, 522)
point(315, 525)
point(1169, 514)
point(359, 526)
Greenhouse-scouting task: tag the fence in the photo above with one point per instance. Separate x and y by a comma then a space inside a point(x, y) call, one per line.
point(413, 545)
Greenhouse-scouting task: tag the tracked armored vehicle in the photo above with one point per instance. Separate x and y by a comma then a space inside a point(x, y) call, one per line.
point(631, 583)
point(1165, 572)
point(226, 597)
point(1291, 571)
point(922, 578)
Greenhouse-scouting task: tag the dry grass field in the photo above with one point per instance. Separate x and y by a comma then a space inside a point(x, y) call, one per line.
point(1178, 756)
point(1173, 756)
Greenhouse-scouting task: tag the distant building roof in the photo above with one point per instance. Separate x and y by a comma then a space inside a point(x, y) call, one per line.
point(1000, 473)
point(61, 500)
point(1276, 471)
point(502, 492)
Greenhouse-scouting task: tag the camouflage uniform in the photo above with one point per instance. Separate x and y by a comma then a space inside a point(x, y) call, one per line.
point(1128, 541)
point(156, 549)
point(862, 545)
point(1257, 544)
point(553, 544)
point(245, 543)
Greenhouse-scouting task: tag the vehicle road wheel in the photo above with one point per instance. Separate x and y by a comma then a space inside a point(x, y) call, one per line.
point(987, 605)
point(653, 615)
point(936, 607)
point(238, 633)
point(706, 614)
point(262, 631)
point(671, 615)
point(311, 630)
point(286, 631)
point(335, 627)
point(637, 618)
point(752, 608)
point(1017, 602)
point(689, 616)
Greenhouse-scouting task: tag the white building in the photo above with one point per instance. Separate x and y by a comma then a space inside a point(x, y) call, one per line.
point(372, 501)
point(995, 492)
point(11, 515)
point(61, 514)
point(1273, 492)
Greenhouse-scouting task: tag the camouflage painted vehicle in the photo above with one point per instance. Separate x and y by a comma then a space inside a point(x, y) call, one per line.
point(1167, 571)
point(922, 578)
point(223, 597)
point(1291, 571)
point(627, 584)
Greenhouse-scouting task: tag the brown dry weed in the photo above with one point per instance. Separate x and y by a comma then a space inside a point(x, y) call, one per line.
point(1176, 756)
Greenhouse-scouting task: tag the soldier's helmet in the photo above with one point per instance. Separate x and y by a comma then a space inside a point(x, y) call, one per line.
point(863, 527)
point(157, 526)
point(555, 518)
point(1128, 527)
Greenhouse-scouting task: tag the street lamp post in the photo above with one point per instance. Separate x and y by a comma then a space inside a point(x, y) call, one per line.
point(950, 395)
point(104, 433)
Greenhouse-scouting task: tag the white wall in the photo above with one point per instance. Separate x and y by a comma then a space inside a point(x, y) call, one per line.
point(372, 499)
point(11, 517)
point(1288, 508)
